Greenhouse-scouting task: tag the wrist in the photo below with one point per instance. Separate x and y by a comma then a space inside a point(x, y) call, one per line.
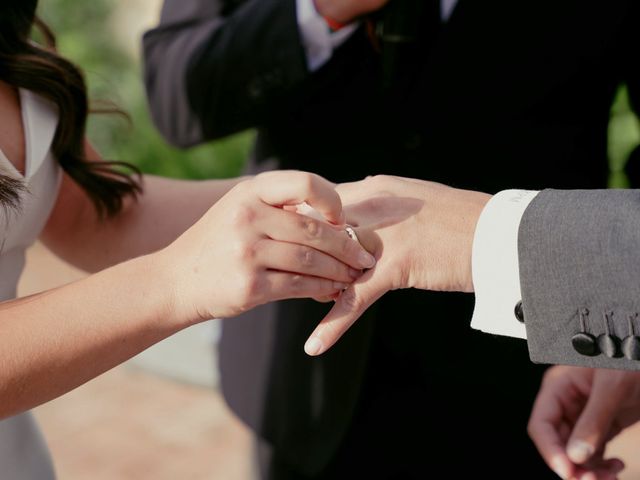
point(478, 201)
point(160, 272)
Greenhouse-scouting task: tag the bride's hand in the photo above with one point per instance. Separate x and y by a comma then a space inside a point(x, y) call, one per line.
point(247, 250)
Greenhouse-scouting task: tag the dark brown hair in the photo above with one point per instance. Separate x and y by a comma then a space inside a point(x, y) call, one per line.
point(24, 64)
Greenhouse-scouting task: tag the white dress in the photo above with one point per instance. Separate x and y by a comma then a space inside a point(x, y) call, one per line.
point(23, 453)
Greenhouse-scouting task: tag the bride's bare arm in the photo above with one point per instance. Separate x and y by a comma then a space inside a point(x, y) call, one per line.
point(54, 341)
point(166, 209)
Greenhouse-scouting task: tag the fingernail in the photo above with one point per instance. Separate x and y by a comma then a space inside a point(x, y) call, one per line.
point(355, 274)
point(340, 285)
point(366, 259)
point(560, 469)
point(313, 346)
point(579, 451)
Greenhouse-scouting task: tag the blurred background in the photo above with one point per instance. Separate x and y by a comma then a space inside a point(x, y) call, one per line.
point(161, 416)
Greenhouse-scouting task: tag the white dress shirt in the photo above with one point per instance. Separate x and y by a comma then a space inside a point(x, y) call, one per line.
point(496, 277)
point(318, 40)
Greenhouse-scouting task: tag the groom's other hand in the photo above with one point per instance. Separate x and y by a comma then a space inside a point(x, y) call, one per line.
point(577, 412)
point(421, 234)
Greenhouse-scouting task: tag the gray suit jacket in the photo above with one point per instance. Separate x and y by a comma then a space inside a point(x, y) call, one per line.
point(579, 262)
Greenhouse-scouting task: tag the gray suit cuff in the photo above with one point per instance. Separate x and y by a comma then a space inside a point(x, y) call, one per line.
point(578, 255)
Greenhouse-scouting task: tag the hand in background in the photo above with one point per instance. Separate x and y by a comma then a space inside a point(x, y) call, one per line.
point(345, 11)
point(248, 250)
point(577, 412)
point(421, 234)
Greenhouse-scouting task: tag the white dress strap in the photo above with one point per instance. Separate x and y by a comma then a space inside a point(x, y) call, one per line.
point(40, 124)
point(7, 168)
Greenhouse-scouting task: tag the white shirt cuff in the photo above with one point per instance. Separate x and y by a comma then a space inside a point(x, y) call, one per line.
point(495, 268)
point(317, 39)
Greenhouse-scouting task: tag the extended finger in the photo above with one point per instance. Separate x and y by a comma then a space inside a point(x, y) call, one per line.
point(592, 428)
point(351, 304)
point(546, 437)
point(545, 429)
point(293, 187)
point(291, 227)
point(294, 258)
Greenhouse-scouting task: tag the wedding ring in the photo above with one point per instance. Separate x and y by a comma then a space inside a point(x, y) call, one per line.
point(351, 232)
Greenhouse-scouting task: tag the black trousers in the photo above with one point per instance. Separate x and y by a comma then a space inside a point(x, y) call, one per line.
point(426, 407)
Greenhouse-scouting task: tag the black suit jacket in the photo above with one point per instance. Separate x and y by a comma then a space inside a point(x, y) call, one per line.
point(505, 94)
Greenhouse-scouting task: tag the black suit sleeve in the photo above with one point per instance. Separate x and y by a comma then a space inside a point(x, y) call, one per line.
point(213, 68)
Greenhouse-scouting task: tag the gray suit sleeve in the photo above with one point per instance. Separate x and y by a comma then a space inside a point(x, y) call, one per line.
point(579, 255)
point(215, 67)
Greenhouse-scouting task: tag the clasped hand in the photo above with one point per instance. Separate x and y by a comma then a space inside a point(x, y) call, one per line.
point(250, 248)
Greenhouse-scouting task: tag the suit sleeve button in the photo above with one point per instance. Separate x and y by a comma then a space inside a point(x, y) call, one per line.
point(609, 345)
point(631, 347)
point(519, 312)
point(585, 344)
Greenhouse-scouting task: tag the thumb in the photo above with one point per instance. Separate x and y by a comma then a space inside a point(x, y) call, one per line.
point(288, 187)
point(592, 428)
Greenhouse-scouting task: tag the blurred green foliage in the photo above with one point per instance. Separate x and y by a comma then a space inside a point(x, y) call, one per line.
point(624, 136)
point(85, 34)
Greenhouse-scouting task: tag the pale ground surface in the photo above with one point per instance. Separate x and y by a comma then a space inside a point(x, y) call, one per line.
point(135, 423)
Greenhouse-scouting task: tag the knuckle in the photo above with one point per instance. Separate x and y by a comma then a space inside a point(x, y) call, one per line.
point(250, 287)
point(376, 180)
point(551, 376)
point(311, 228)
point(350, 300)
point(246, 252)
point(530, 428)
point(243, 216)
point(308, 181)
point(533, 430)
point(266, 176)
point(307, 257)
point(245, 187)
point(296, 283)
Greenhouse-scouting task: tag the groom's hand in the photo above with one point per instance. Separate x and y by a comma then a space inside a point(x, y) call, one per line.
point(577, 412)
point(421, 234)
